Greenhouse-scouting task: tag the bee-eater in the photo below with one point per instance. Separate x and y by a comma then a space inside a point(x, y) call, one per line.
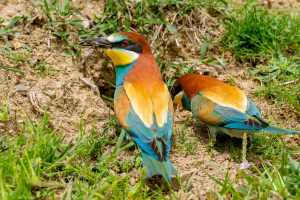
point(224, 108)
point(142, 102)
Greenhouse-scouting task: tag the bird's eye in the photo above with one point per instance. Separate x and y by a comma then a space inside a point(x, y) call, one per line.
point(173, 91)
point(125, 43)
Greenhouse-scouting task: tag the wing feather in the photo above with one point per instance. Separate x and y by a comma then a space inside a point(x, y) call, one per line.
point(154, 140)
point(210, 112)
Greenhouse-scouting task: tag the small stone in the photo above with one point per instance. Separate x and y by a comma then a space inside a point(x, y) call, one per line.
point(20, 121)
point(86, 24)
point(111, 172)
point(17, 34)
point(132, 181)
point(21, 90)
point(50, 93)
point(2, 125)
point(17, 45)
point(10, 131)
point(90, 5)
point(178, 59)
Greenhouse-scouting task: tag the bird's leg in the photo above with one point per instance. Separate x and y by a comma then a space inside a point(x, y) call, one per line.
point(249, 142)
point(213, 137)
point(213, 134)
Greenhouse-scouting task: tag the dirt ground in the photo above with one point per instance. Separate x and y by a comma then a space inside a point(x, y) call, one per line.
point(70, 98)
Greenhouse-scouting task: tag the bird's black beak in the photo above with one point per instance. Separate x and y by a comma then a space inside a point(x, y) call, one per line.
point(96, 42)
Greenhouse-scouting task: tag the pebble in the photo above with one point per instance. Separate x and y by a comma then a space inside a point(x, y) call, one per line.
point(2, 125)
point(86, 24)
point(50, 93)
point(132, 181)
point(90, 5)
point(178, 59)
point(17, 45)
point(22, 90)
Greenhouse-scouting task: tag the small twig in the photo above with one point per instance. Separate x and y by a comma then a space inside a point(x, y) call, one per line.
point(34, 103)
point(283, 107)
point(289, 82)
point(221, 62)
point(197, 38)
point(49, 39)
point(88, 55)
point(156, 34)
point(94, 87)
point(32, 20)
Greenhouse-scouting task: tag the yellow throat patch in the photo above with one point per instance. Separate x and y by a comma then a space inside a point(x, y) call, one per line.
point(121, 57)
point(178, 99)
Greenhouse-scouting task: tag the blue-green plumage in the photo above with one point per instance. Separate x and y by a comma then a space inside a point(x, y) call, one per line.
point(121, 72)
point(186, 102)
point(155, 142)
point(232, 121)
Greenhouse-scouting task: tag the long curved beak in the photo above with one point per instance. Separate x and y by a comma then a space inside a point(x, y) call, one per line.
point(96, 42)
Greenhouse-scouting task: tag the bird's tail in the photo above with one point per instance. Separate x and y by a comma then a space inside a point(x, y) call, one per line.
point(275, 129)
point(154, 166)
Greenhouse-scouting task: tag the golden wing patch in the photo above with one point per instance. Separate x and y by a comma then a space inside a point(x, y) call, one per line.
point(233, 98)
point(146, 102)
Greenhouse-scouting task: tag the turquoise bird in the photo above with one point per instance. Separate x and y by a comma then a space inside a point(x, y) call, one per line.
point(224, 108)
point(142, 101)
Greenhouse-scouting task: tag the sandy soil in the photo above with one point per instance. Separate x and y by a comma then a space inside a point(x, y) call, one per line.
point(74, 99)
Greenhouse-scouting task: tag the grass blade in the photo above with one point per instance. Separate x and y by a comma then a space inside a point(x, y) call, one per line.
point(203, 49)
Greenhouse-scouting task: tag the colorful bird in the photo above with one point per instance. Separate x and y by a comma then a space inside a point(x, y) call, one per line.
point(224, 108)
point(142, 101)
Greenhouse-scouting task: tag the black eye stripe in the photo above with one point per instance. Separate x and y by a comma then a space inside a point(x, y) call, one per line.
point(132, 46)
point(120, 43)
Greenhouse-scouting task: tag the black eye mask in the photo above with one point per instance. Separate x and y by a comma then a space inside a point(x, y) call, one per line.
point(175, 90)
point(132, 46)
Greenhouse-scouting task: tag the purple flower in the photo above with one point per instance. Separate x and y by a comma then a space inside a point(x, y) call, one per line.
point(5, 144)
point(245, 165)
point(267, 137)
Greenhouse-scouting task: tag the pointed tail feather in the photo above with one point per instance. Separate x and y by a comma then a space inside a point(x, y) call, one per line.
point(154, 166)
point(275, 129)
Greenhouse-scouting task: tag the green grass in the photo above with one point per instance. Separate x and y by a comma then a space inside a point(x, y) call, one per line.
point(280, 179)
point(38, 164)
point(6, 32)
point(280, 81)
point(255, 32)
point(4, 113)
point(187, 143)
